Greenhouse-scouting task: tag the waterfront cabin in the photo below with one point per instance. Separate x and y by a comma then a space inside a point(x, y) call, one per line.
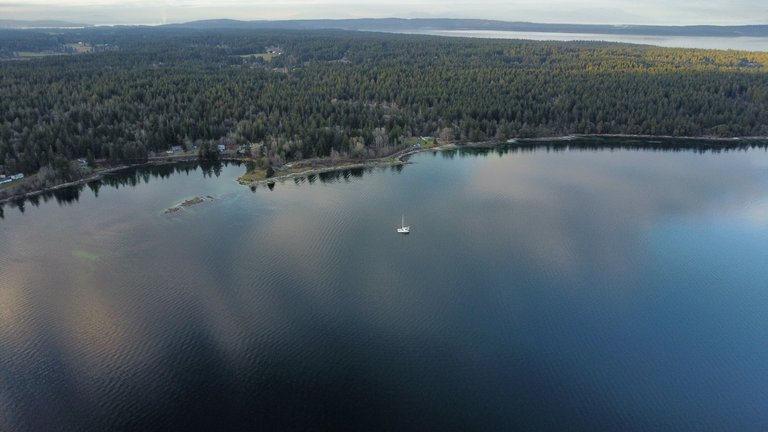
point(7, 179)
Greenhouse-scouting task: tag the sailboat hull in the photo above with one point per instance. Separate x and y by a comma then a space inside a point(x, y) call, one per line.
point(404, 229)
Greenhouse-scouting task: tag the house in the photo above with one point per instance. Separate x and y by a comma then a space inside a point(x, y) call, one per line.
point(8, 179)
point(221, 148)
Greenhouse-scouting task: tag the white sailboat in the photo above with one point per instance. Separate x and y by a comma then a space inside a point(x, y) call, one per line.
point(404, 229)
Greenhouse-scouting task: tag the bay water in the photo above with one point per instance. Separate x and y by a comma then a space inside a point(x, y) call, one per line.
point(555, 287)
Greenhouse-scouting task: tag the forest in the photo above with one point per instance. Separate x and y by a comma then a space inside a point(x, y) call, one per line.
point(110, 95)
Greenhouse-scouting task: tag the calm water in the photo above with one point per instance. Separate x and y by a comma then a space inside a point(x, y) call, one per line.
point(704, 42)
point(602, 289)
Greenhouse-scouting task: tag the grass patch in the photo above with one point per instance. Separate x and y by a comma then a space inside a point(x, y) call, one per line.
point(265, 56)
point(34, 54)
point(253, 176)
point(420, 142)
point(80, 49)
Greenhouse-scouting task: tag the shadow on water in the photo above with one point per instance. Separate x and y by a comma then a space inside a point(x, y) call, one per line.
point(329, 177)
point(591, 144)
point(128, 177)
point(131, 177)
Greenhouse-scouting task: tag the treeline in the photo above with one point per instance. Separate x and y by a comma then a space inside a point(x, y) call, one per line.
point(353, 94)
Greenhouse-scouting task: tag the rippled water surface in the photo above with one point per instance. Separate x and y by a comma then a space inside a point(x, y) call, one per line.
point(603, 289)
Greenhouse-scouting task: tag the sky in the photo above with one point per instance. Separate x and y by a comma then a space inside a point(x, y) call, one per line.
point(661, 12)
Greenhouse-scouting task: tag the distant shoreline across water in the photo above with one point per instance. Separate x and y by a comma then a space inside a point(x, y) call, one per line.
point(701, 42)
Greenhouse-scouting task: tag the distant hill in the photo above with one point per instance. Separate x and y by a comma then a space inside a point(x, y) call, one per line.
point(434, 24)
point(400, 24)
point(18, 24)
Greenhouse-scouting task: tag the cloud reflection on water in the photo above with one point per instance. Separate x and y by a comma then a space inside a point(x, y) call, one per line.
point(576, 210)
point(311, 271)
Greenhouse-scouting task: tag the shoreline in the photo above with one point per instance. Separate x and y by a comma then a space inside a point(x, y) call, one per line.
point(299, 169)
point(572, 137)
point(400, 158)
point(99, 174)
point(396, 159)
point(95, 176)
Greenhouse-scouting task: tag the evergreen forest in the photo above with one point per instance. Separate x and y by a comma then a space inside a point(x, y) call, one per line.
point(110, 95)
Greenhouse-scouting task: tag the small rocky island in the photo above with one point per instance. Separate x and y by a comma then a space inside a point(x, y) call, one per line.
point(188, 203)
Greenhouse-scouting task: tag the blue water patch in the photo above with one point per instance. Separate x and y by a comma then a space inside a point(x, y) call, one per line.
point(707, 315)
point(539, 289)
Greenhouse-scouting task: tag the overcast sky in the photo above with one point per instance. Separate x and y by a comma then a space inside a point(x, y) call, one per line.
point(668, 12)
